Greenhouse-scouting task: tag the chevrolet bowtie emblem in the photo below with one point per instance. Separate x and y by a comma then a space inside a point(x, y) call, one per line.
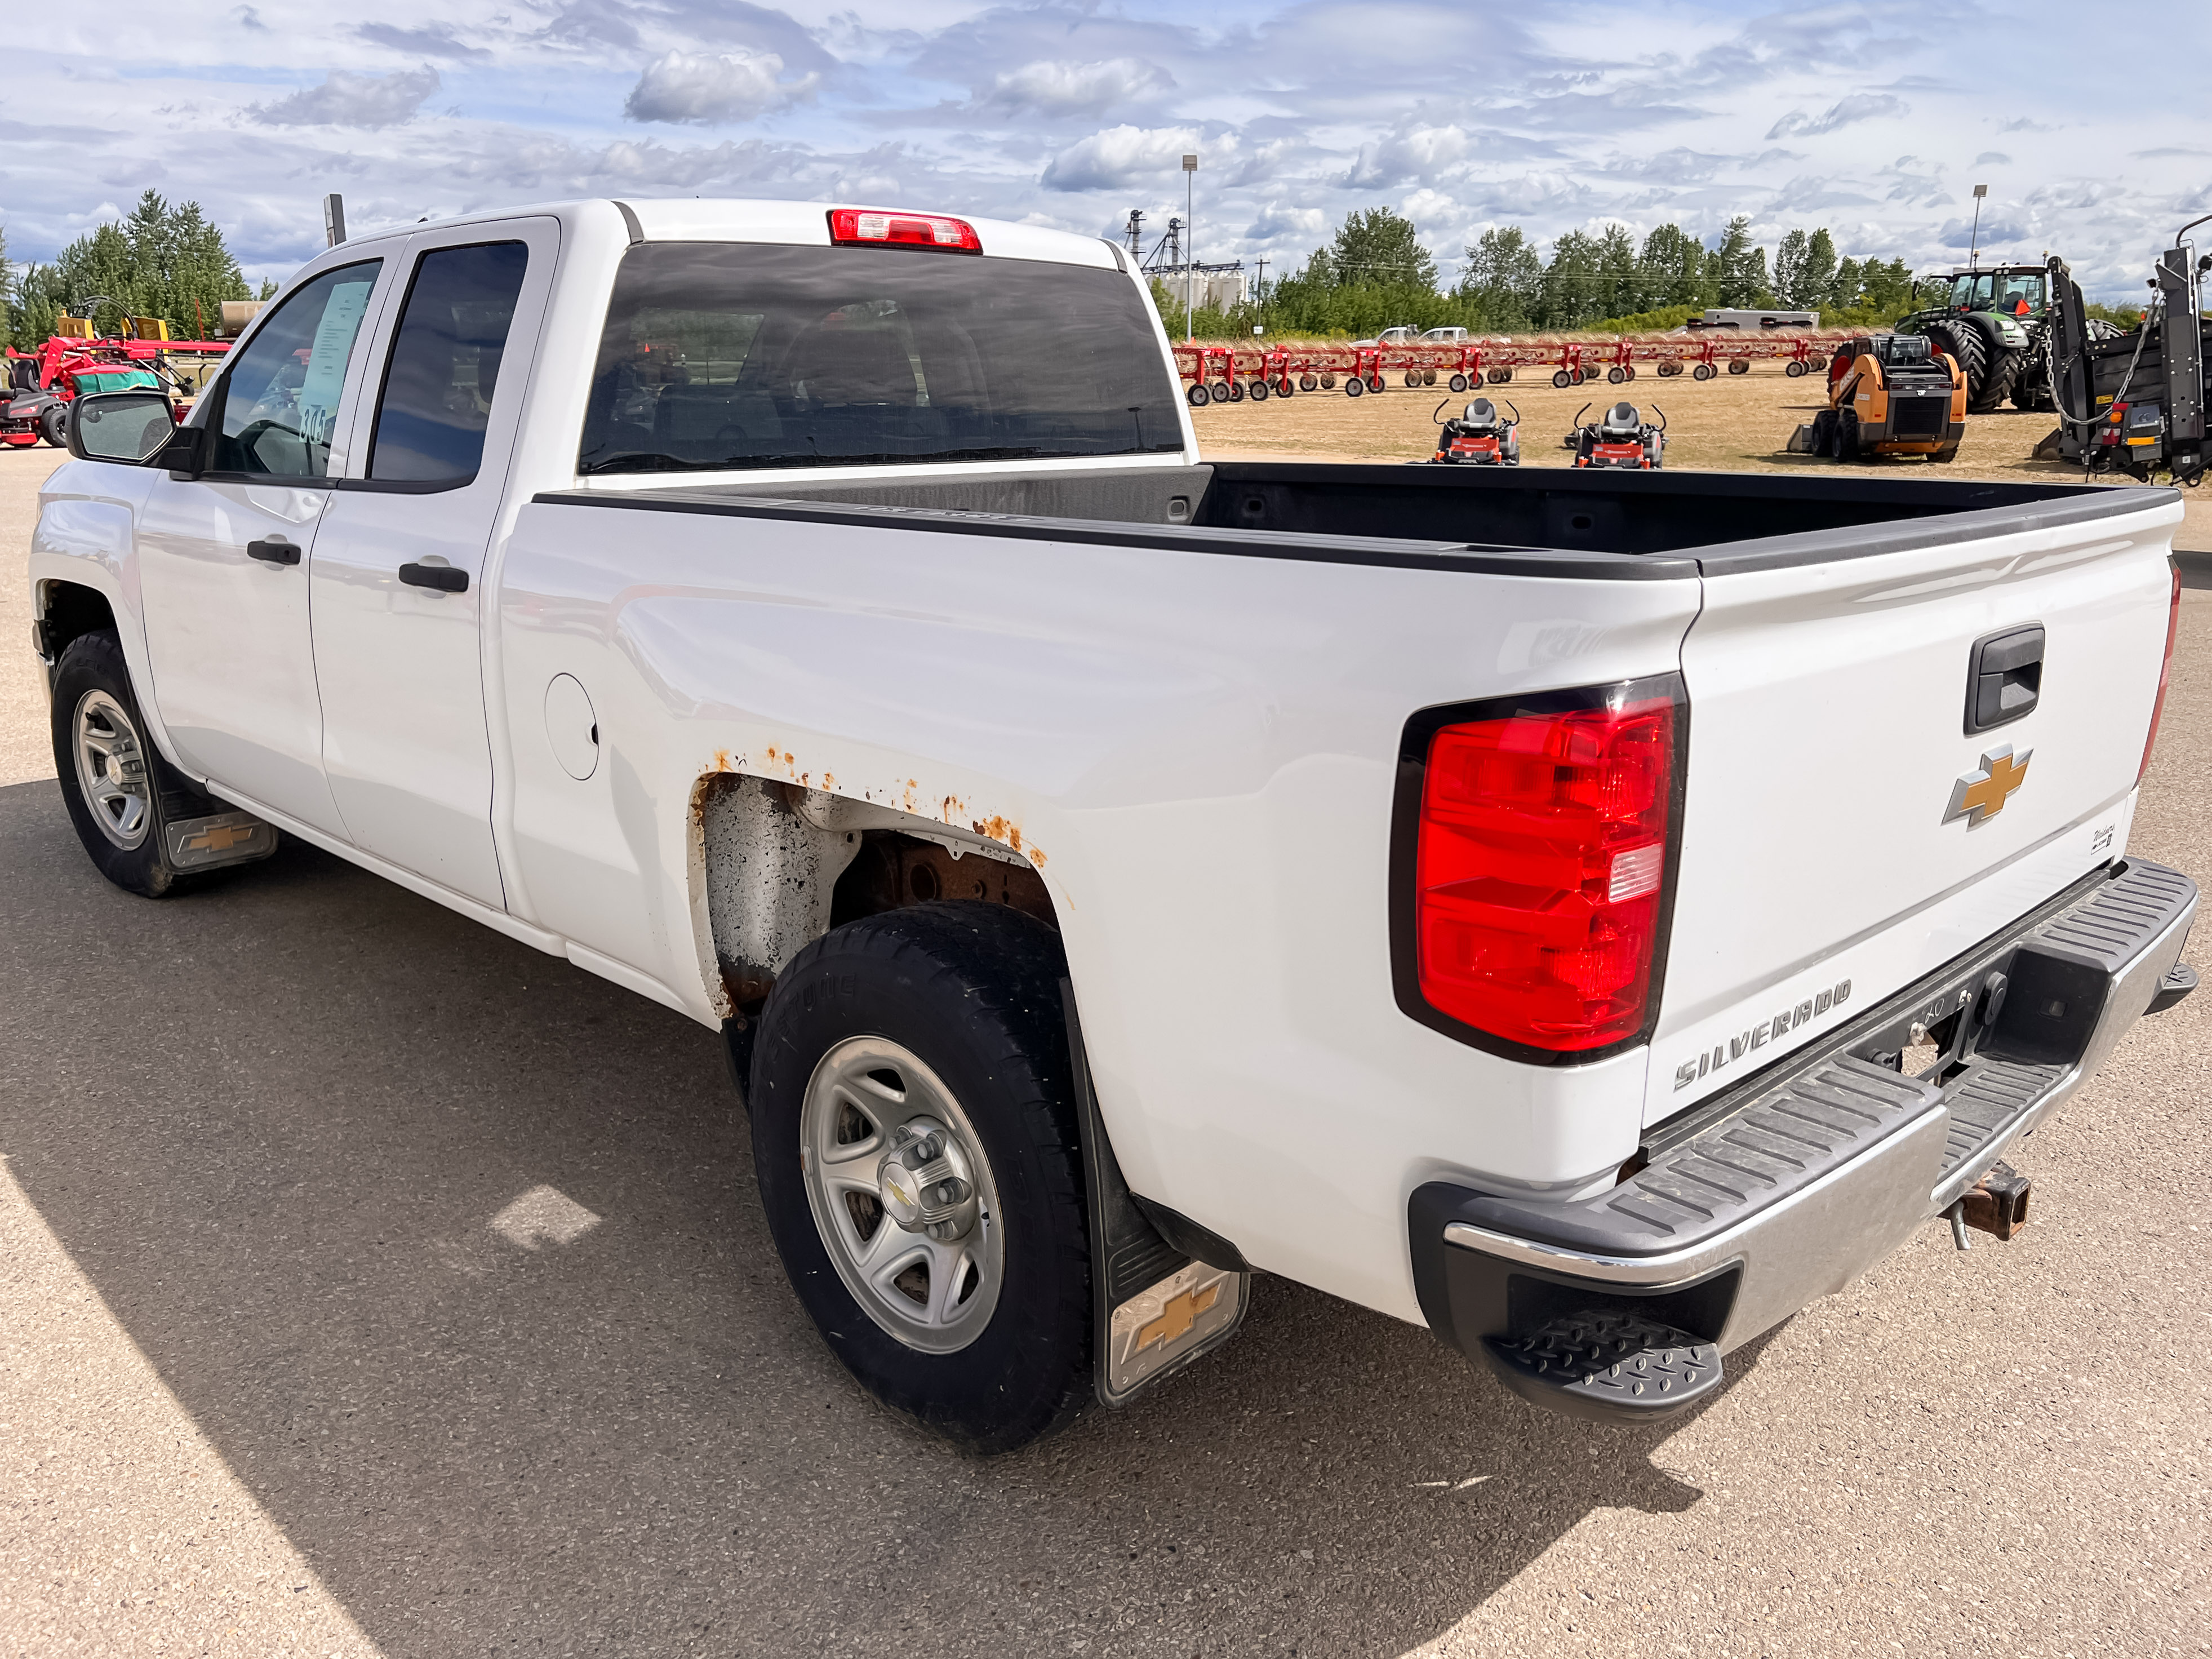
point(1982, 794)
point(220, 839)
point(1176, 1318)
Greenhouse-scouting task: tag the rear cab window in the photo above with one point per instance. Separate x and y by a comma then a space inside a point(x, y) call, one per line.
point(728, 355)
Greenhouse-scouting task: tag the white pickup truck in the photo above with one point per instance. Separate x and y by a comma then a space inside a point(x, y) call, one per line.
point(1592, 913)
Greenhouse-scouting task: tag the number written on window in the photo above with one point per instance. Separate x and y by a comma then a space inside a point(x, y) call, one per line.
point(280, 399)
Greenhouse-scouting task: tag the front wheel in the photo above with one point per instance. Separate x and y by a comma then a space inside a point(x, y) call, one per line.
point(915, 1137)
point(120, 794)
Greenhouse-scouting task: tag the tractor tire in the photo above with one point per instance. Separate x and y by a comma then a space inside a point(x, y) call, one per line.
point(1257, 391)
point(1563, 380)
point(1328, 383)
point(1704, 371)
point(1354, 386)
point(1500, 376)
point(53, 425)
point(1235, 392)
point(1824, 433)
point(1793, 368)
point(1615, 375)
point(1198, 396)
point(1307, 383)
point(1966, 345)
point(1458, 383)
point(1286, 386)
point(2006, 368)
point(1575, 377)
point(1846, 439)
point(1428, 377)
point(1375, 383)
point(1413, 377)
point(1738, 365)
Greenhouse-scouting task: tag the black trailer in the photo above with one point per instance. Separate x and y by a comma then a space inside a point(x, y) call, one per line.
point(2133, 403)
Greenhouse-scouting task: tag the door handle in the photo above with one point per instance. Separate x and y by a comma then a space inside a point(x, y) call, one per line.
point(275, 550)
point(442, 577)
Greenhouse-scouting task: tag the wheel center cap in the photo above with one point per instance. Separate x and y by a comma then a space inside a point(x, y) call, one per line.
point(926, 1180)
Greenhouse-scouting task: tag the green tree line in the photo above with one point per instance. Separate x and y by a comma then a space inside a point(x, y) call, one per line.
point(1376, 273)
point(159, 261)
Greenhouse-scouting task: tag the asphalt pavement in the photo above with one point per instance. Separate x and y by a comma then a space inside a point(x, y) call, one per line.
point(372, 1284)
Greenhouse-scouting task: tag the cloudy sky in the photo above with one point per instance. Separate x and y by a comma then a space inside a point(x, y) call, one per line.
point(1875, 119)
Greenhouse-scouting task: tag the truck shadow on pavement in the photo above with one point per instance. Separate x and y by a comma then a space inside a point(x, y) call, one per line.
point(452, 1250)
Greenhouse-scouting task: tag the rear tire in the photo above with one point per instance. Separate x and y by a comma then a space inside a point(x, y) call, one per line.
point(1963, 343)
point(120, 812)
point(53, 425)
point(956, 1007)
point(2005, 370)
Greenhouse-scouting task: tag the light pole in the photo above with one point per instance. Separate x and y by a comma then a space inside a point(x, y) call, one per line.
point(1974, 243)
point(1189, 240)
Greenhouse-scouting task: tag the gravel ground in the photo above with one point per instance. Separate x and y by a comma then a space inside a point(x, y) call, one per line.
point(295, 1359)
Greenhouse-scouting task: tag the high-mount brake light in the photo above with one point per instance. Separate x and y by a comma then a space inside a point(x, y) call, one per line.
point(2165, 668)
point(867, 227)
point(1539, 869)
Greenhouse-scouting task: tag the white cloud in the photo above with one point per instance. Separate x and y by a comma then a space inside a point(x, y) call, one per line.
point(1056, 87)
point(1417, 153)
point(1859, 107)
point(1993, 158)
point(1122, 155)
point(704, 87)
point(350, 100)
point(1276, 221)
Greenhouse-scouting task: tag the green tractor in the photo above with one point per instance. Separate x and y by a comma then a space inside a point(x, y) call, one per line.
point(1994, 324)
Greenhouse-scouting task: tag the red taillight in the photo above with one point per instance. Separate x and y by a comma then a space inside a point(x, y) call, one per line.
point(1542, 858)
point(2165, 668)
point(868, 227)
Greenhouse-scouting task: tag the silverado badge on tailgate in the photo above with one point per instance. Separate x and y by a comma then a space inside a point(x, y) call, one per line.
point(1981, 795)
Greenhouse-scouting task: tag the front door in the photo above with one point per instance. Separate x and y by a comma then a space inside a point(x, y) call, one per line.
point(400, 562)
point(224, 557)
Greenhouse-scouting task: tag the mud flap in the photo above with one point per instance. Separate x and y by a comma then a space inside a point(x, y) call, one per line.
point(1154, 1308)
point(224, 838)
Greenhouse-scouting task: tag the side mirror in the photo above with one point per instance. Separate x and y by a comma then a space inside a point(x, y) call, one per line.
point(130, 427)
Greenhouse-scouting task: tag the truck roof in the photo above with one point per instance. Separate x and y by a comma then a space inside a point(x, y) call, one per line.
point(737, 219)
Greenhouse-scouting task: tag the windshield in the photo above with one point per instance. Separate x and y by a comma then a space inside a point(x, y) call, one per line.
point(740, 355)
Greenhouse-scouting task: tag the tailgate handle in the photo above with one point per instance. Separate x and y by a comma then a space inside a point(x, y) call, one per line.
point(2004, 676)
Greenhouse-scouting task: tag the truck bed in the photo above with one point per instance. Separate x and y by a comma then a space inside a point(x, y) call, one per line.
point(1595, 524)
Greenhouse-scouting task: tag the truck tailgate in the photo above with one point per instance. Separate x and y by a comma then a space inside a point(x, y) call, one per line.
point(1843, 831)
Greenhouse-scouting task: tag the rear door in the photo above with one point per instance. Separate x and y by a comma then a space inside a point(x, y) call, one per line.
point(1844, 831)
point(400, 564)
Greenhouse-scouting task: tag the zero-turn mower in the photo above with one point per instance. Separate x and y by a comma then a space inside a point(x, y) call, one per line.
point(1622, 439)
point(1890, 394)
point(1481, 436)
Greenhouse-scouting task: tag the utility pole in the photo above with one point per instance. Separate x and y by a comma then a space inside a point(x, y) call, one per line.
point(1974, 247)
point(1259, 294)
point(1190, 241)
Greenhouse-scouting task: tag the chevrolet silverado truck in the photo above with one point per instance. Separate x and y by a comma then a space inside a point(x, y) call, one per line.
point(1591, 914)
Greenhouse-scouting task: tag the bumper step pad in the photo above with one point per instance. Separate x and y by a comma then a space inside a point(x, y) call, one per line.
point(1615, 1367)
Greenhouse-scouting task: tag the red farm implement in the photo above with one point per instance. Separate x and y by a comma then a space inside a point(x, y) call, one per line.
point(1230, 374)
point(41, 385)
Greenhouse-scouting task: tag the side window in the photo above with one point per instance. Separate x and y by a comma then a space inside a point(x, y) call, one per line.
point(280, 397)
point(444, 369)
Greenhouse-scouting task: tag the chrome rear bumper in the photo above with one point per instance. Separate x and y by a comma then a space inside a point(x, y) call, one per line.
point(1801, 1178)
